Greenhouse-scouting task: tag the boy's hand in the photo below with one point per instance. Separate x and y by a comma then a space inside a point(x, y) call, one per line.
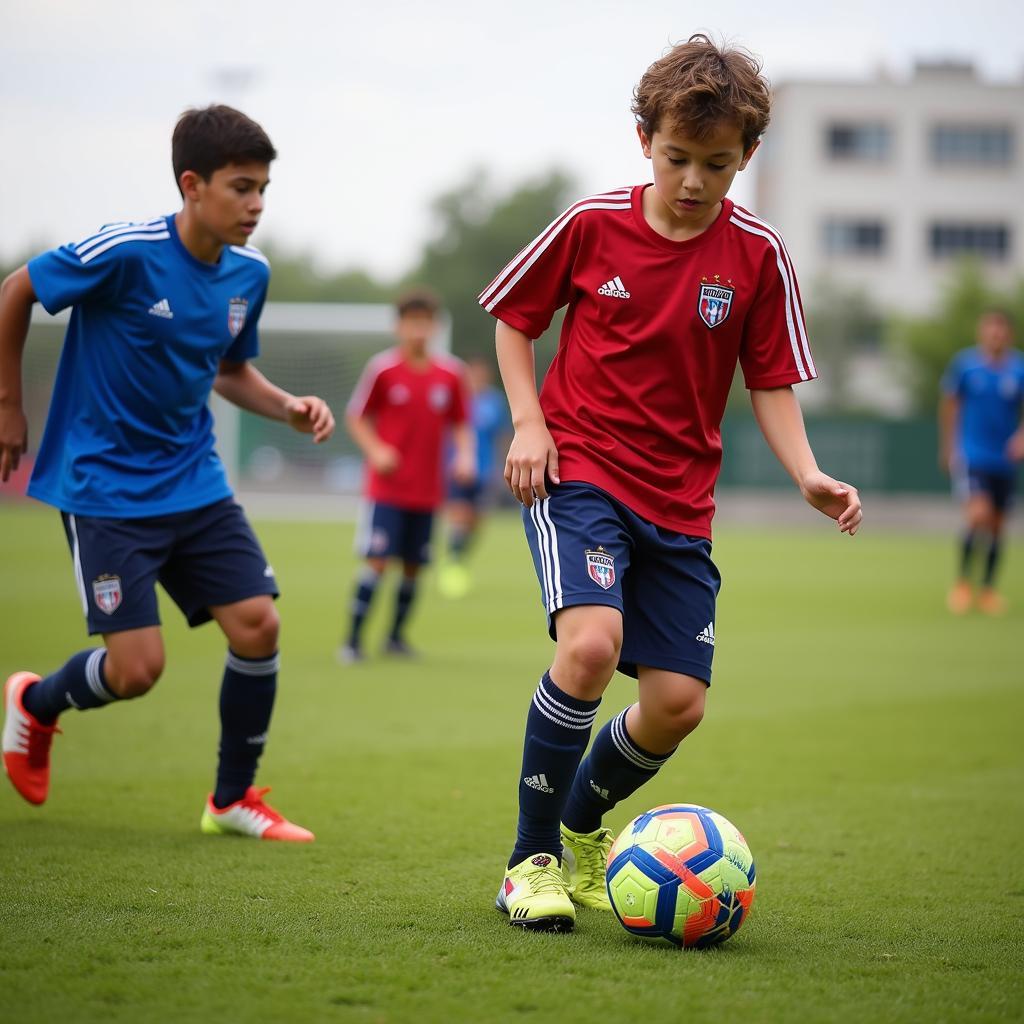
point(837, 500)
point(464, 469)
point(311, 415)
point(384, 459)
point(13, 439)
point(531, 455)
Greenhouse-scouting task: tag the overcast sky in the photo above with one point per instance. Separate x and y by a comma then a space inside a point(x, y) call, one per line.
point(376, 107)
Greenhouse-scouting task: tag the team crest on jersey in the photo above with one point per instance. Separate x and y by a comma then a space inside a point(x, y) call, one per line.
point(715, 300)
point(237, 308)
point(601, 567)
point(440, 397)
point(106, 592)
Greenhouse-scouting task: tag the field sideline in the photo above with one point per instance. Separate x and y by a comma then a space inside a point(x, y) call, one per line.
point(867, 744)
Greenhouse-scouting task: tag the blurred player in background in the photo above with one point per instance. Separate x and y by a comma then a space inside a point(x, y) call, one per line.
point(403, 407)
point(162, 312)
point(467, 502)
point(981, 443)
point(668, 286)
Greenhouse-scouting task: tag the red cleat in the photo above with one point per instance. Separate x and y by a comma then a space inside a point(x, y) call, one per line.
point(250, 816)
point(26, 742)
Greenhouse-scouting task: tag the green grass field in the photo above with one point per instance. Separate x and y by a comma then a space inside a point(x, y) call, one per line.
point(868, 746)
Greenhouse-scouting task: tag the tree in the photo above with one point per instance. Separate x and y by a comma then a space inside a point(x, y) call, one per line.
point(476, 234)
point(929, 343)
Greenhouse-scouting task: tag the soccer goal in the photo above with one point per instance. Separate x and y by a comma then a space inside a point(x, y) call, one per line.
point(306, 348)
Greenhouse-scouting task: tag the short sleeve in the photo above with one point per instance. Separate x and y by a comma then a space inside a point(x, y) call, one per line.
point(774, 350)
point(69, 276)
point(365, 399)
point(538, 281)
point(247, 344)
point(953, 379)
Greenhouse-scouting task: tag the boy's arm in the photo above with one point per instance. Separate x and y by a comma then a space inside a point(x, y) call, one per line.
point(532, 451)
point(949, 413)
point(16, 298)
point(464, 466)
point(782, 424)
point(243, 385)
point(383, 457)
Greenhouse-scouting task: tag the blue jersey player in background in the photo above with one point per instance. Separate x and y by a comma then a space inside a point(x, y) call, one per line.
point(467, 501)
point(982, 441)
point(163, 312)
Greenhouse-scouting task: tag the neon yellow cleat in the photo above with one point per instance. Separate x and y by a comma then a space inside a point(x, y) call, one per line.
point(584, 863)
point(454, 581)
point(534, 896)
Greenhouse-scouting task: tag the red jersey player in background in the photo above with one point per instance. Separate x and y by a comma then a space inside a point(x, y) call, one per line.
point(668, 286)
point(405, 402)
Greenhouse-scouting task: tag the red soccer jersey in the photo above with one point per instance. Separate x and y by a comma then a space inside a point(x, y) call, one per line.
point(411, 409)
point(635, 394)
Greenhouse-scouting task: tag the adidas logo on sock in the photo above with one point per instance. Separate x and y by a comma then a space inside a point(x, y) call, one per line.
point(602, 793)
point(614, 288)
point(539, 782)
point(162, 308)
point(707, 634)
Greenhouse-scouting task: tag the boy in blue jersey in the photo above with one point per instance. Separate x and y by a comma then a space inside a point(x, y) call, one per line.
point(490, 419)
point(981, 442)
point(163, 312)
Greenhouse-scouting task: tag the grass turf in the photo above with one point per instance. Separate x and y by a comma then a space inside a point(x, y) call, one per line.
point(866, 744)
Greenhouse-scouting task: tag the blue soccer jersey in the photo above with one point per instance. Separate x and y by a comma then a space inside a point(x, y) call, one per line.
point(990, 396)
point(129, 433)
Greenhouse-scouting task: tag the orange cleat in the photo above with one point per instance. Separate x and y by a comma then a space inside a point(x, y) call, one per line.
point(26, 742)
point(991, 602)
point(960, 598)
point(250, 816)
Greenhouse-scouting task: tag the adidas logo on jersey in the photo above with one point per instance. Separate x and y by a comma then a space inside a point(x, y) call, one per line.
point(707, 634)
point(614, 288)
point(539, 782)
point(162, 308)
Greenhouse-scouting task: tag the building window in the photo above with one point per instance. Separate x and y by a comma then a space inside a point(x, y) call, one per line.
point(865, 140)
point(989, 241)
point(852, 237)
point(972, 145)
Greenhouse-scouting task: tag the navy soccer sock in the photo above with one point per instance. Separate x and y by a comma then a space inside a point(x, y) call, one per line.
point(458, 543)
point(79, 683)
point(361, 601)
point(403, 602)
point(992, 562)
point(614, 769)
point(557, 730)
point(246, 702)
point(967, 553)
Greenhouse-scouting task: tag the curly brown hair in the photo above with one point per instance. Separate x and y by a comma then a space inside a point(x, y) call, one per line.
point(698, 85)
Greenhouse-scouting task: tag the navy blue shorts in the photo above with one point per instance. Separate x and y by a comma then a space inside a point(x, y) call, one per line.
point(387, 531)
point(203, 557)
point(997, 487)
point(471, 494)
point(589, 548)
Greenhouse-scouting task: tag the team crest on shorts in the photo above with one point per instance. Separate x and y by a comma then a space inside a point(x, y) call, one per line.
point(237, 308)
point(106, 592)
point(601, 567)
point(715, 300)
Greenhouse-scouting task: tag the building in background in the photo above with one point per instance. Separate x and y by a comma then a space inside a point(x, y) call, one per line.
point(882, 184)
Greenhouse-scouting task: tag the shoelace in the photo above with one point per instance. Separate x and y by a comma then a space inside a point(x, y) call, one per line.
point(547, 879)
point(254, 799)
point(592, 854)
point(39, 739)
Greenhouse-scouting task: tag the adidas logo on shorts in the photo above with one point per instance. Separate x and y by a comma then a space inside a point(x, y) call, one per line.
point(707, 634)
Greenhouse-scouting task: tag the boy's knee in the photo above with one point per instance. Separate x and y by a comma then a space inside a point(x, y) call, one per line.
point(682, 713)
point(134, 675)
point(258, 632)
point(594, 654)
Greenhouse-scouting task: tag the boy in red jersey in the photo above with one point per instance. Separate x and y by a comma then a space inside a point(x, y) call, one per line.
point(668, 286)
point(405, 401)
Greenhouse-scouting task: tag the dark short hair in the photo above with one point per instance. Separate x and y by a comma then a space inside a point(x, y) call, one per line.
point(418, 300)
point(208, 138)
point(699, 85)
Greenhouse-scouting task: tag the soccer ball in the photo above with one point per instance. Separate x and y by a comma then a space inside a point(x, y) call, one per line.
point(683, 874)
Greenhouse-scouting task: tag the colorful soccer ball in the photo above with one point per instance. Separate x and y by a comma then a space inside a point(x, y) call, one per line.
point(683, 874)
